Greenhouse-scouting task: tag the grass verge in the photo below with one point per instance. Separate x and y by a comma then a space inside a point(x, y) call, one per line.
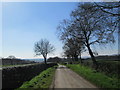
point(99, 79)
point(43, 80)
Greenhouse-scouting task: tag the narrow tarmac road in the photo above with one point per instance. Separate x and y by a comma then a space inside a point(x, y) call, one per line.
point(66, 78)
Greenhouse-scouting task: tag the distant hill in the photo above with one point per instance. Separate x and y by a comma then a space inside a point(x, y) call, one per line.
point(36, 59)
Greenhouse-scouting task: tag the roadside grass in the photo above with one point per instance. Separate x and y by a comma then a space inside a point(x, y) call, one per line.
point(43, 80)
point(109, 67)
point(99, 79)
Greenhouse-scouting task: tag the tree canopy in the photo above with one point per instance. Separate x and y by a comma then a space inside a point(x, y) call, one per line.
point(89, 23)
point(43, 47)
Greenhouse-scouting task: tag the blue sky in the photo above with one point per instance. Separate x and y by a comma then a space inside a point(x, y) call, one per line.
point(25, 23)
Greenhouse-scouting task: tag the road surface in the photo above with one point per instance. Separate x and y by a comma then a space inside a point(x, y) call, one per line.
point(66, 78)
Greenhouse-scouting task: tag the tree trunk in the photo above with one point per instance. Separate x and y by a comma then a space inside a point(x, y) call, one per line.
point(76, 57)
point(92, 57)
point(81, 59)
point(72, 60)
point(45, 59)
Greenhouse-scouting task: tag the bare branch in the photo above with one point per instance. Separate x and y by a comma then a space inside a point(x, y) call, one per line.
point(43, 47)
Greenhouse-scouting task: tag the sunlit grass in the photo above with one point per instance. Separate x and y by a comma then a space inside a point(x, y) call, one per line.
point(43, 80)
point(99, 79)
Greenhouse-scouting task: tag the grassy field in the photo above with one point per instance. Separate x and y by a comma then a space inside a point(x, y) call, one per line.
point(43, 80)
point(99, 79)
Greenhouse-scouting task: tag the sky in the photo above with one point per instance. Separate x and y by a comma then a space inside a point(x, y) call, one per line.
point(59, 0)
point(24, 23)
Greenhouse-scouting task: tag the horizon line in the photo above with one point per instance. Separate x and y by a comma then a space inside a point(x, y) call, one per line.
point(65, 57)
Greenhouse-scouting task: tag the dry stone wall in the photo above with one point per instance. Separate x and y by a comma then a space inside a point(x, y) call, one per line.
point(15, 76)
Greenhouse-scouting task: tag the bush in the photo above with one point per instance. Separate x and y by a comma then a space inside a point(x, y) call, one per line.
point(108, 67)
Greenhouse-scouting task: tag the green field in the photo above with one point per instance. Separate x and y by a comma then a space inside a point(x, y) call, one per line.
point(43, 80)
point(99, 79)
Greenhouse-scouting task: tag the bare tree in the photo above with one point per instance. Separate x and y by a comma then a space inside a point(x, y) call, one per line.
point(92, 24)
point(73, 48)
point(11, 57)
point(43, 47)
point(111, 8)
